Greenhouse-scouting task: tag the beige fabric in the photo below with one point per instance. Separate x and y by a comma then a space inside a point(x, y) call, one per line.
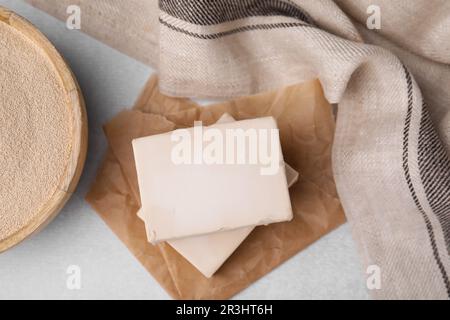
point(393, 189)
point(130, 26)
point(431, 76)
point(423, 27)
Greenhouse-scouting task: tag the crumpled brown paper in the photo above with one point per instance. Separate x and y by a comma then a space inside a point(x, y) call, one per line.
point(306, 126)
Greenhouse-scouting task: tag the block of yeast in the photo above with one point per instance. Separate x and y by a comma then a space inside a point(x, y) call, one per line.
point(208, 252)
point(185, 192)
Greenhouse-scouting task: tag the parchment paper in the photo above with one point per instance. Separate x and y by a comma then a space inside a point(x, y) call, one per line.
point(306, 124)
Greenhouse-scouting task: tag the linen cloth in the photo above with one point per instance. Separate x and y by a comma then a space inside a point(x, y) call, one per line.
point(391, 168)
point(392, 86)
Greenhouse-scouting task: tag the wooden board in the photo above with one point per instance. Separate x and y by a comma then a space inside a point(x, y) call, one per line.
point(76, 106)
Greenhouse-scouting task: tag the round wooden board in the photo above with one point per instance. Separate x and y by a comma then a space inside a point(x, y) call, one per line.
point(76, 105)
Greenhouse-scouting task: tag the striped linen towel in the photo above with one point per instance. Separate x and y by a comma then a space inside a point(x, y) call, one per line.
point(391, 149)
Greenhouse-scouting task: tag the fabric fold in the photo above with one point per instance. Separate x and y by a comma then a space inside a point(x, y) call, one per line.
point(391, 169)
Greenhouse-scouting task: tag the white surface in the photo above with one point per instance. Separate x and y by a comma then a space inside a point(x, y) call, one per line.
point(36, 269)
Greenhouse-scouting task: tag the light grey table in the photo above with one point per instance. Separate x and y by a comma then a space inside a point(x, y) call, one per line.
point(37, 268)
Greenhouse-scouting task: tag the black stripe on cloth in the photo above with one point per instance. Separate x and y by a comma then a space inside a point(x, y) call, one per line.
point(218, 35)
point(426, 219)
point(434, 166)
point(210, 12)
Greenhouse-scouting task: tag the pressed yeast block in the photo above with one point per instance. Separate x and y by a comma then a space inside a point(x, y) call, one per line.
point(208, 252)
point(43, 130)
point(199, 195)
